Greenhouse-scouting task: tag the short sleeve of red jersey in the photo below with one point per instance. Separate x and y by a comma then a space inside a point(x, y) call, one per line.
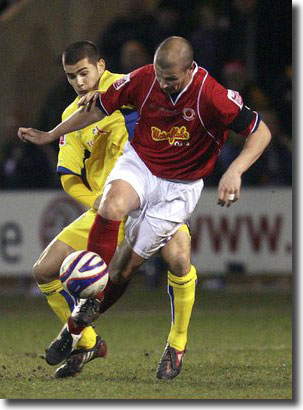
point(226, 109)
point(122, 92)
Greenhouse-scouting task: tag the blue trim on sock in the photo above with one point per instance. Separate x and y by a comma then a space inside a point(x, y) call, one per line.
point(69, 299)
point(170, 291)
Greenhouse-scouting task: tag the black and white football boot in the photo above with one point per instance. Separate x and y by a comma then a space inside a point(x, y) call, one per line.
point(62, 346)
point(87, 312)
point(80, 357)
point(83, 315)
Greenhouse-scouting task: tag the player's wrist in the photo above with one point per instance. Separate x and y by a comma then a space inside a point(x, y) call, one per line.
point(235, 169)
point(53, 135)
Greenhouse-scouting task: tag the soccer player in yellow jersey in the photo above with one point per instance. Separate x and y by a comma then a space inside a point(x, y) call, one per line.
point(83, 176)
point(85, 159)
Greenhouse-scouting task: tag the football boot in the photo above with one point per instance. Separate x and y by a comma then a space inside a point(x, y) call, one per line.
point(80, 357)
point(170, 363)
point(87, 313)
point(62, 346)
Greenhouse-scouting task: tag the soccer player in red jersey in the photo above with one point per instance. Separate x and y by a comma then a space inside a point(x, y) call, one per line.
point(184, 119)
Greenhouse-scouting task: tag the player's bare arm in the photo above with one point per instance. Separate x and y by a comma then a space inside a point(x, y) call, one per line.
point(87, 114)
point(230, 182)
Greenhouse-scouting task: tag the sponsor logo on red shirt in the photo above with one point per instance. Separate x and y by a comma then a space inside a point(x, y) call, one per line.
point(175, 133)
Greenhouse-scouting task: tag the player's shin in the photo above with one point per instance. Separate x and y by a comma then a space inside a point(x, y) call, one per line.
point(181, 291)
point(111, 294)
point(63, 304)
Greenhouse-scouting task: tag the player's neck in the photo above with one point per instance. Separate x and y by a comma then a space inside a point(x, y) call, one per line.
point(174, 96)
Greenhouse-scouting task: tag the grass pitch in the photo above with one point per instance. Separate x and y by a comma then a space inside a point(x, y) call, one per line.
point(239, 347)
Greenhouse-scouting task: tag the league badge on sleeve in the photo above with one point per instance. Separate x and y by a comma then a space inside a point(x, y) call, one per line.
point(235, 97)
point(62, 140)
point(121, 81)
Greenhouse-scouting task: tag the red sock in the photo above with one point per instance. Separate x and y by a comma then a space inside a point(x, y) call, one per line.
point(103, 237)
point(73, 328)
point(111, 294)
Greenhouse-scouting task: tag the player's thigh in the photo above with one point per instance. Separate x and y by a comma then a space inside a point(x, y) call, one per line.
point(76, 234)
point(126, 186)
point(48, 265)
point(177, 252)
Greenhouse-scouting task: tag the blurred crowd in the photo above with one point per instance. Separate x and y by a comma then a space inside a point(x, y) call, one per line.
point(5, 4)
point(245, 44)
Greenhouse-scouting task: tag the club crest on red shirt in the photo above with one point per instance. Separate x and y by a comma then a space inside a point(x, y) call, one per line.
point(188, 114)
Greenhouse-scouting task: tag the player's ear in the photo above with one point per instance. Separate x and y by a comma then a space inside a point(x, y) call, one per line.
point(101, 66)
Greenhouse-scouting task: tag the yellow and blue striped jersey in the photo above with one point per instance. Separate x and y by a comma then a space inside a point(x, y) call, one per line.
point(93, 151)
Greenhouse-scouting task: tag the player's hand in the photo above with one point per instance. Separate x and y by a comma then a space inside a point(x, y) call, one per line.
point(229, 188)
point(34, 136)
point(88, 99)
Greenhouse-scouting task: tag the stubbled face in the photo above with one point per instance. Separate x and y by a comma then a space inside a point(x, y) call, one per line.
point(174, 79)
point(84, 76)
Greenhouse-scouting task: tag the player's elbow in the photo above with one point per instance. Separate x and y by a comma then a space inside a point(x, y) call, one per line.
point(266, 134)
point(64, 183)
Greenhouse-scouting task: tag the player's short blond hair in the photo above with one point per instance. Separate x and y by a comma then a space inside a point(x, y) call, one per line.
point(174, 50)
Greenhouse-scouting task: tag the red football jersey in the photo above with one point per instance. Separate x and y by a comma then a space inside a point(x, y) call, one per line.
point(178, 139)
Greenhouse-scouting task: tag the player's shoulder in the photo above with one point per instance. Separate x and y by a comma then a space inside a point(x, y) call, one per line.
point(144, 71)
point(202, 77)
point(143, 75)
point(208, 84)
point(139, 76)
point(202, 73)
point(70, 108)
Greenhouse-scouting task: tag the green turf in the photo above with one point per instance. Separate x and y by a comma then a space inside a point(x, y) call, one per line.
point(239, 348)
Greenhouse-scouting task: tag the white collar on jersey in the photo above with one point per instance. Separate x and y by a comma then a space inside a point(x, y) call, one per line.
point(184, 89)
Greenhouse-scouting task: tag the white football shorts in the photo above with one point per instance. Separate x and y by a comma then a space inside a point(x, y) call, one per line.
point(164, 205)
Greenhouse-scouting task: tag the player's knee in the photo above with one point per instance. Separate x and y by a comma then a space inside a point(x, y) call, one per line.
point(118, 200)
point(113, 208)
point(180, 265)
point(38, 273)
point(42, 274)
point(116, 277)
